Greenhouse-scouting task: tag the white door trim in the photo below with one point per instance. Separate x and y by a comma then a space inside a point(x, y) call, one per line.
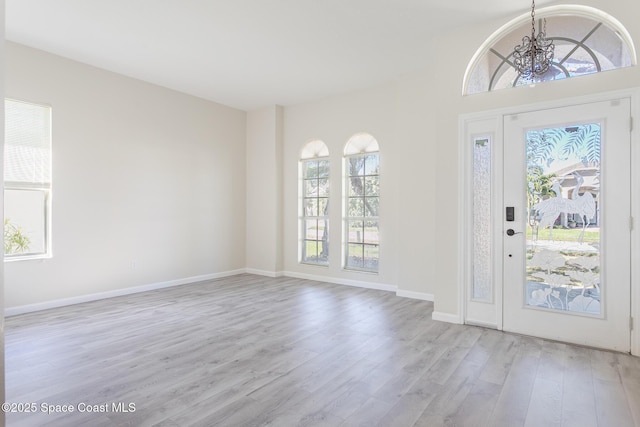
point(635, 233)
point(478, 128)
point(465, 234)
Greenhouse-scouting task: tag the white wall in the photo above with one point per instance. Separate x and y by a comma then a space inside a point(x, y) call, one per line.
point(148, 183)
point(400, 115)
point(264, 191)
point(334, 121)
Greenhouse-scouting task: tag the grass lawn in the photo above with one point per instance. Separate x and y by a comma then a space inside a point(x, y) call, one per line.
point(567, 234)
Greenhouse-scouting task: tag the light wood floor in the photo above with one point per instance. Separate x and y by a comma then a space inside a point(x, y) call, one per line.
point(250, 350)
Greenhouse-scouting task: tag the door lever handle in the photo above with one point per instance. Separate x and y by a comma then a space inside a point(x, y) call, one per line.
point(511, 232)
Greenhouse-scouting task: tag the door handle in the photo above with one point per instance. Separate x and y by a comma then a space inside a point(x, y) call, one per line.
point(511, 232)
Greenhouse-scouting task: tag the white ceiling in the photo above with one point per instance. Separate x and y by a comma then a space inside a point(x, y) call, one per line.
point(249, 53)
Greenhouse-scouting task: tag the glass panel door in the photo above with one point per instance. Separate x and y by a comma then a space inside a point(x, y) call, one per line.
point(566, 235)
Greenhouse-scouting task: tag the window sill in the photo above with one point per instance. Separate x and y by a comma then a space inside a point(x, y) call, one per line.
point(313, 264)
point(27, 258)
point(358, 270)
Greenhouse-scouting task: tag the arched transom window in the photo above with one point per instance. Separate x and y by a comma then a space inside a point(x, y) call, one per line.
point(586, 41)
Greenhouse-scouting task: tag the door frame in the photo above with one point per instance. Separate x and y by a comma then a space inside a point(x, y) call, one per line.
point(491, 123)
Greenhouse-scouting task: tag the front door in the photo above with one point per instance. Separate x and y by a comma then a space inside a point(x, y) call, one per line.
point(566, 224)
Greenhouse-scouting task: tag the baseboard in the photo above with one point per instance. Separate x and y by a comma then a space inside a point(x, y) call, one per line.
point(264, 272)
point(635, 337)
point(22, 309)
point(13, 311)
point(340, 281)
point(414, 295)
point(446, 317)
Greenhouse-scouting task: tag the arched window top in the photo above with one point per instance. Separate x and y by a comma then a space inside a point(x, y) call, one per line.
point(314, 149)
point(587, 41)
point(361, 143)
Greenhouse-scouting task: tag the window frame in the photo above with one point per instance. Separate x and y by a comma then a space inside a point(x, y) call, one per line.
point(303, 217)
point(43, 187)
point(348, 219)
point(588, 13)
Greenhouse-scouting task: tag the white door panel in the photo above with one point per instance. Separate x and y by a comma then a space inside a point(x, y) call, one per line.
point(566, 267)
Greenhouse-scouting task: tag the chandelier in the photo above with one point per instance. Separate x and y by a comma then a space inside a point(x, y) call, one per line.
point(534, 56)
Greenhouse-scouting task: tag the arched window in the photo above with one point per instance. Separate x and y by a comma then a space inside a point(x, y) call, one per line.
point(314, 207)
point(362, 173)
point(586, 40)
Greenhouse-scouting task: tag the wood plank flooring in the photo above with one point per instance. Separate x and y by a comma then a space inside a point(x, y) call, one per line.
point(256, 351)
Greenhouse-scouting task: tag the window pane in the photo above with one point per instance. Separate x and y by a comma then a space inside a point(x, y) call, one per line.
point(370, 260)
point(372, 186)
point(315, 206)
point(563, 261)
point(356, 231)
point(25, 221)
point(372, 164)
point(323, 187)
point(315, 169)
point(310, 188)
point(311, 229)
point(371, 206)
point(323, 252)
point(323, 229)
point(356, 166)
point(310, 207)
point(310, 169)
point(356, 207)
point(27, 142)
point(356, 187)
point(310, 250)
point(482, 288)
point(355, 256)
point(371, 232)
point(323, 168)
point(323, 206)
